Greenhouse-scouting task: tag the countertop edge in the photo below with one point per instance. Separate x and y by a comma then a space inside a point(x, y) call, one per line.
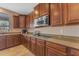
point(61, 42)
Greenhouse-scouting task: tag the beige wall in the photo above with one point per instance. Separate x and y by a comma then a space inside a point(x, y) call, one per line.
point(62, 30)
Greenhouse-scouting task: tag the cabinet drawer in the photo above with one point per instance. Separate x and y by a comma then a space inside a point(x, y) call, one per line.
point(74, 52)
point(56, 46)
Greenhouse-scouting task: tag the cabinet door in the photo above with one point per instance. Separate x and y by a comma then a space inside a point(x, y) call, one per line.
point(55, 49)
point(37, 11)
point(16, 21)
point(30, 19)
point(27, 21)
point(44, 9)
point(16, 39)
point(71, 13)
point(33, 45)
point(56, 14)
point(40, 47)
point(74, 52)
point(22, 22)
point(2, 42)
point(29, 43)
point(10, 41)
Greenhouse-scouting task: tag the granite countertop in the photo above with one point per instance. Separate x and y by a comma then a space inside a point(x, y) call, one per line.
point(63, 40)
point(66, 41)
point(9, 33)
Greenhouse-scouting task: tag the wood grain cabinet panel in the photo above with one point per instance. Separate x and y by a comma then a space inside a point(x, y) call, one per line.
point(56, 14)
point(30, 18)
point(16, 21)
point(37, 11)
point(44, 9)
point(71, 12)
point(55, 49)
point(17, 39)
point(29, 43)
point(33, 45)
point(2, 42)
point(12, 40)
point(74, 52)
point(27, 21)
point(22, 21)
point(40, 47)
point(24, 40)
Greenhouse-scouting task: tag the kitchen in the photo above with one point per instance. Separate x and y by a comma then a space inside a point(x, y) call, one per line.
point(41, 29)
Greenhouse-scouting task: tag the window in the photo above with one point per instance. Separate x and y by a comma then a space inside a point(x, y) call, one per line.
point(4, 22)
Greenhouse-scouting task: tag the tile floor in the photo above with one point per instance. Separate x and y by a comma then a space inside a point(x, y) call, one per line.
point(16, 51)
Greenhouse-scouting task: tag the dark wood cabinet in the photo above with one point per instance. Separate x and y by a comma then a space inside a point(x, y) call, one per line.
point(60, 14)
point(74, 52)
point(37, 11)
point(2, 42)
point(30, 18)
point(22, 21)
point(17, 39)
point(44, 9)
point(40, 48)
point(12, 40)
point(53, 49)
point(37, 46)
point(28, 42)
point(15, 21)
point(56, 14)
point(24, 41)
point(41, 9)
point(33, 45)
point(27, 21)
point(71, 12)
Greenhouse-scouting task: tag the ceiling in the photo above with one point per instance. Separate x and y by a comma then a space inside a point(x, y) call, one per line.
point(21, 8)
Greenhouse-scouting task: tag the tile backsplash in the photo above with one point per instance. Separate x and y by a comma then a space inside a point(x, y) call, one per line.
point(62, 30)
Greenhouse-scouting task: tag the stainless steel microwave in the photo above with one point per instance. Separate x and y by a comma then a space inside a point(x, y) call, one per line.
point(41, 21)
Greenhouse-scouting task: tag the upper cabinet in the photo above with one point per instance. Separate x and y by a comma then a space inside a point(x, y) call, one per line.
point(22, 21)
point(56, 14)
point(15, 21)
point(31, 17)
point(44, 9)
point(37, 11)
point(60, 14)
point(27, 21)
point(71, 13)
point(41, 9)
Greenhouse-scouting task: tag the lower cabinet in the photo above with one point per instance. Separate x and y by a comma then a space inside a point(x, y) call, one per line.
point(2, 42)
point(24, 40)
point(74, 52)
point(40, 48)
point(37, 46)
point(7, 41)
point(33, 45)
point(12, 40)
point(17, 39)
point(53, 49)
point(29, 43)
